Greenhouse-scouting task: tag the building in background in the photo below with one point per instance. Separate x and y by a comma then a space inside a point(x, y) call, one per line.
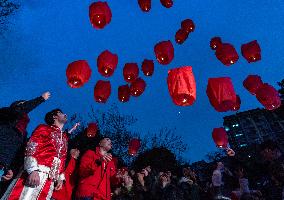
point(255, 126)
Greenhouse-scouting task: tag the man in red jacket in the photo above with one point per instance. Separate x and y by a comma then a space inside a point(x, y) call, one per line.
point(95, 171)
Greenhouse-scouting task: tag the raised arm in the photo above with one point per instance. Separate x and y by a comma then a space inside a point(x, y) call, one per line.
point(28, 106)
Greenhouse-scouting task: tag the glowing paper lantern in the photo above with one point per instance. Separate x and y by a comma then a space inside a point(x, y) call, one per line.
point(215, 43)
point(148, 67)
point(237, 105)
point(92, 129)
point(268, 96)
point(220, 137)
point(99, 14)
point(145, 5)
point(188, 25)
point(252, 83)
point(102, 91)
point(130, 72)
point(123, 93)
point(251, 51)
point(78, 73)
point(167, 3)
point(164, 52)
point(182, 86)
point(227, 54)
point(181, 36)
point(133, 147)
point(107, 63)
point(221, 93)
point(137, 87)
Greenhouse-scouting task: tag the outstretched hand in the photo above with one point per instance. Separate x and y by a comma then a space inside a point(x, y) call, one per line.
point(46, 95)
point(8, 176)
point(107, 157)
point(33, 179)
point(59, 185)
point(230, 152)
point(74, 127)
point(74, 153)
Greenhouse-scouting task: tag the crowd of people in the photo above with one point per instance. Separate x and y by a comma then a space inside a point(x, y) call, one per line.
point(44, 168)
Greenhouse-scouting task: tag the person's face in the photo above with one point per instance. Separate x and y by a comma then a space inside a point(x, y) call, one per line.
point(127, 180)
point(186, 172)
point(220, 165)
point(60, 117)
point(169, 173)
point(148, 168)
point(106, 144)
point(164, 177)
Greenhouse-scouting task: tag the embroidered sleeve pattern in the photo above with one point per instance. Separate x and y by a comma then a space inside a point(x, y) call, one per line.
point(30, 164)
point(31, 148)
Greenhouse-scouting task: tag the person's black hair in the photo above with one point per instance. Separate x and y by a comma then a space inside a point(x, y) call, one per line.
point(49, 117)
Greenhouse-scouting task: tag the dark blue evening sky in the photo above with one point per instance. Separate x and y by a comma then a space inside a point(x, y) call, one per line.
point(46, 35)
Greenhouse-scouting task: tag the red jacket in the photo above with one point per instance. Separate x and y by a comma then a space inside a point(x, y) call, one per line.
point(70, 178)
point(94, 176)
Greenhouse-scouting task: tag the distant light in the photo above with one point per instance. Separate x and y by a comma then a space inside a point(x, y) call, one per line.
point(227, 128)
point(235, 125)
point(249, 156)
point(243, 145)
point(238, 135)
point(179, 112)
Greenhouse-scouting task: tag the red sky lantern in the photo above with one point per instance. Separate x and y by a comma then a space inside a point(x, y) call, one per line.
point(133, 147)
point(215, 43)
point(137, 87)
point(148, 67)
point(78, 73)
point(164, 52)
point(251, 51)
point(220, 137)
point(268, 96)
point(227, 54)
point(181, 36)
point(188, 25)
point(123, 93)
point(221, 93)
point(92, 129)
point(167, 3)
point(252, 83)
point(237, 105)
point(99, 14)
point(102, 91)
point(145, 5)
point(182, 86)
point(130, 72)
point(107, 63)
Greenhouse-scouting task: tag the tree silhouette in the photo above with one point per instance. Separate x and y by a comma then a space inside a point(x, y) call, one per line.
point(119, 128)
point(7, 8)
point(281, 90)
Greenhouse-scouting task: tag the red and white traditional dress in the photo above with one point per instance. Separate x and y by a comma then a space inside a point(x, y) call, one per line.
point(46, 152)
